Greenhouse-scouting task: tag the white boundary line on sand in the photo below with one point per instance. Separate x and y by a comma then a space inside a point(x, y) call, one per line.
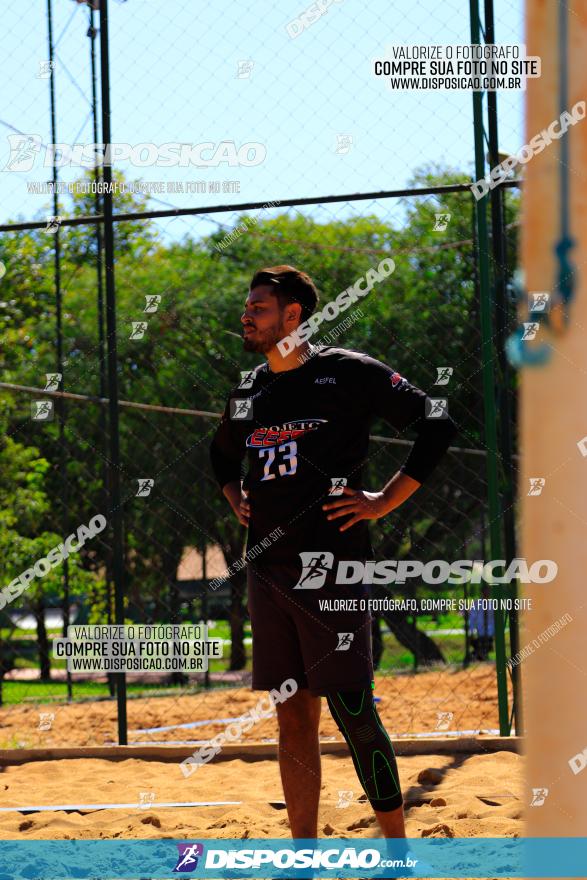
point(134, 806)
point(186, 726)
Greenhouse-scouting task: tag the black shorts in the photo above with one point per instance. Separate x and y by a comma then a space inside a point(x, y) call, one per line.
point(293, 637)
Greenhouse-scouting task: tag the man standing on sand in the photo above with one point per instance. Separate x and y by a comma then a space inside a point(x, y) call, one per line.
point(305, 431)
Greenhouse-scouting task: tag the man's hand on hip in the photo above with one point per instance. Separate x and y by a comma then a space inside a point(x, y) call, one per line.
point(238, 500)
point(359, 504)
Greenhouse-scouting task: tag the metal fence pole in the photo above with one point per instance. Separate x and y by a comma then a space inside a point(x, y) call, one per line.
point(60, 403)
point(487, 356)
point(499, 245)
point(92, 34)
point(114, 461)
point(252, 206)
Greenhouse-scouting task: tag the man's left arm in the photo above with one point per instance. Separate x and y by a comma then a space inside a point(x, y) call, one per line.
point(405, 408)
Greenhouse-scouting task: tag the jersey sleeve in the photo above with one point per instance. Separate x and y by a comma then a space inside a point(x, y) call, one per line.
point(226, 450)
point(403, 406)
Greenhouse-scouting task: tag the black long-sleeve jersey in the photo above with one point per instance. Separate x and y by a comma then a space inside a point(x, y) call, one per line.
point(306, 433)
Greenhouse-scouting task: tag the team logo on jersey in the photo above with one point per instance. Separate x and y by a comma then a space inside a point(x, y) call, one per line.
point(274, 435)
point(395, 379)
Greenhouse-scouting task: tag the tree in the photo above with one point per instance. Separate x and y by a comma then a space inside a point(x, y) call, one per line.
point(25, 538)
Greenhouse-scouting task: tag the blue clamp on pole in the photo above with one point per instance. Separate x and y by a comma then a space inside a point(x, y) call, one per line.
point(520, 355)
point(517, 350)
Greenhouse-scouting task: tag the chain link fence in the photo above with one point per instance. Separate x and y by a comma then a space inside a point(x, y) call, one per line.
point(179, 354)
point(182, 273)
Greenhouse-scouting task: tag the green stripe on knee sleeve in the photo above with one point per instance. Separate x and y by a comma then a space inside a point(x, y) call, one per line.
point(357, 719)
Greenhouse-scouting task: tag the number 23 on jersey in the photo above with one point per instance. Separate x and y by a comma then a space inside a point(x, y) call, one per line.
point(282, 458)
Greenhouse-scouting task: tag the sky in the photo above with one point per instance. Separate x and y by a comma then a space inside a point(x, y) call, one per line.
point(192, 72)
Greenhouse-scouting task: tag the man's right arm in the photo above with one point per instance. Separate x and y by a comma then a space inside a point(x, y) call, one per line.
point(226, 455)
point(238, 501)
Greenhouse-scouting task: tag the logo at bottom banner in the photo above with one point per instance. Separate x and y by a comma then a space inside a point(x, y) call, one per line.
point(327, 859)
point(187, 860)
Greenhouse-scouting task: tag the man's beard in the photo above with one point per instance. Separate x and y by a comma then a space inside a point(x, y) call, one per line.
point(264, 340)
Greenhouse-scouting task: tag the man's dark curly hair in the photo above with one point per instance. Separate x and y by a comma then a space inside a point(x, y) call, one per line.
point(289, 285)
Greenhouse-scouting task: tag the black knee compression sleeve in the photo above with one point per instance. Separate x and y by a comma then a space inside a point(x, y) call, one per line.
point(371, 750)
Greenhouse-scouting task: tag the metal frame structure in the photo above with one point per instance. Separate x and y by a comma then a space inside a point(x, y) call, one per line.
point(493, 302)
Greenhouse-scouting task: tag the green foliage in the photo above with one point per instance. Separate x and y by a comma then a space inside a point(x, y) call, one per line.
point(135, 237)
point(25, 511)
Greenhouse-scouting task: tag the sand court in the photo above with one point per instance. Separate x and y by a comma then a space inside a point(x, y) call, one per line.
point(446, 795)
point(430, 703)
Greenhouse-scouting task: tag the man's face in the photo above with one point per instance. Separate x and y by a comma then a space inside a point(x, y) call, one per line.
point(264, 324)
